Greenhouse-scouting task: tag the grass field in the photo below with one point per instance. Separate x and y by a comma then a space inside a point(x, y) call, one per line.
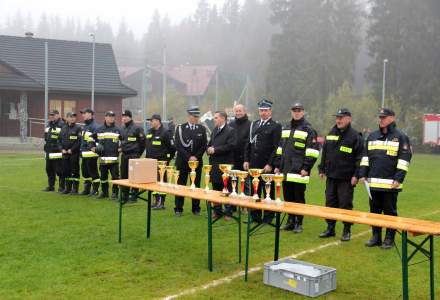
point(65, 247)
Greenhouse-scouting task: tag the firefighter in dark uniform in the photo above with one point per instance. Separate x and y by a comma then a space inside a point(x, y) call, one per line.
point(296, 155)
point(261, 149)
point(190, 140)
point(341, 155)
point(52, 149)
point(132, 146)
point(384, 165)
point(89, 161)
point(160, 146)
point(106, 142)
point(70, 138)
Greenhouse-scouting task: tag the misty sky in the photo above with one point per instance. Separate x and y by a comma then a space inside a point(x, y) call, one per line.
point(136, 13)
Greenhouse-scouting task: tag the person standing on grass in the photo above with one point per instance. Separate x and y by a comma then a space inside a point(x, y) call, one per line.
point(89, 161)
point(296, 154)
point(190, 140)
point(220, 150)
point(340, 158)
point(384, 165)
point(132, 147)
point(70, 138)
point(52, 149)
point(264, 137)
point(160, 146)
point(106, 142)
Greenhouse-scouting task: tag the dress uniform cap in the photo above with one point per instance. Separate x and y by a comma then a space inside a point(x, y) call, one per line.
point(127, 113)
point(155, 117)
point(343, 112)
point(297, 106)
point(194, 111)
point(385, 112)
point(87, 110)
point(109, 113)
point(71, 114)
point(265, 104)
point(54, 112)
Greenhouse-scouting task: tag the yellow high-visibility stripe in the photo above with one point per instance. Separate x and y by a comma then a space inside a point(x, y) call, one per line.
point(285, 133)
point(299, 134)
point(346, 149)
point(365, 161)
point(279, 151)
point(299, 145)
point(332, 138)
point(157, 143)
point(291, 177)
point(403, 165)
point(382, 183)
point(131, 139)
point(312, 153)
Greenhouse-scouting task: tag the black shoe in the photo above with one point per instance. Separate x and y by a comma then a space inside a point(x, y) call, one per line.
point(196, 213)
point(387, 244)
point(346, 236)
point(289, 226)
point(102, 196)
point(86, 190)
point(94, 193)
point(114, 196)
point(329, 232)
point(178, 213)
point(60, 191)
point(95, 189)
point(298, 228)
point(375, 240)
point(49, 189)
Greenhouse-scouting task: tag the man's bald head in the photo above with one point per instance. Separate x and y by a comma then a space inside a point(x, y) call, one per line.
point(239, 111)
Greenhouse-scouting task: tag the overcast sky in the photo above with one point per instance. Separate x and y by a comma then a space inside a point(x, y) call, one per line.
point(136, 13)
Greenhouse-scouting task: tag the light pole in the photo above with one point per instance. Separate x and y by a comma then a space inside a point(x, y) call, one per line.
point(93, 71)
point(164, 83)
point(385, 61)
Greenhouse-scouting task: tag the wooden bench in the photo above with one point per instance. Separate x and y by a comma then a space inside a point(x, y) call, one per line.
point(404, 226)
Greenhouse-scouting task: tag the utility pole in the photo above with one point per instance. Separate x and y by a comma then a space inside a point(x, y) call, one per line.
point(164, 84)
point(93, 71)
point(216, 89)
point(46, 82)
point(385, 61)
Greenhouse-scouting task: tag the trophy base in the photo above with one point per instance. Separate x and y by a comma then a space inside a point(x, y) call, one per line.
point(268, 200)
point(233, 194)
point(278, 202)
point(192, 187)
point(225, 193)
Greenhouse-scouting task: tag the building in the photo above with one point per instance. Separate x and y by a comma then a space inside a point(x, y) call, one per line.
point(22, 81)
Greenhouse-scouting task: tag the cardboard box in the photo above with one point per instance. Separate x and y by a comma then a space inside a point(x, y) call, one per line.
point(142, 170)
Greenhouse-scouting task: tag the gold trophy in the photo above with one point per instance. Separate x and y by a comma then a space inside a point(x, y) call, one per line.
point(278, 178)
point(226, 169)
point(176, 179)
point(255, 173)
point(207, 171)
point(234, 174)
point(242, 175)
point(267, 178)
point(170, 174)
point(161, 164)
point(193, 164)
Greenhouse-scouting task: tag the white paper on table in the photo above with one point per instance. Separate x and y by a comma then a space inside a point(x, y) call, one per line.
point(367, 187)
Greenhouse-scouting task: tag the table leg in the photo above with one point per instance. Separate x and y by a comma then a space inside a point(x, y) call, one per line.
point(277, 236)
point(431, 266)
point(248, 232)
point(148, 214)
point(239, 235)
point(120, 218)
point(209, 236)
point(405, 295)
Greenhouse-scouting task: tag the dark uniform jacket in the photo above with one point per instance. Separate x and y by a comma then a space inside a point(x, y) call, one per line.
point(341, 153)
point(224, 143)
point(189, 143)
point(241, 127)
point(386, 158)
point(132, 139)
point(108, 136)
point(298, 150)
point(88, 129)
point(262, 144)
point(159, 144)
point(51, 136)
point(70, 137)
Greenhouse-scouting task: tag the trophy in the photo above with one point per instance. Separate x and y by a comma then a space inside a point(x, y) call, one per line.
point(234, 174)
point(255, 173)
point(242, 175)
point(193, 164)
point(278, 178)
point(267, 178)
point(225, 168)
point(161, 164)
point(207, 170)
point(170, 174)
point(176, 178)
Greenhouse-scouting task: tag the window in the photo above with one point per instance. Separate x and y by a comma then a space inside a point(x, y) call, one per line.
point(55, 104)
point(69, 106)
point(63, 106)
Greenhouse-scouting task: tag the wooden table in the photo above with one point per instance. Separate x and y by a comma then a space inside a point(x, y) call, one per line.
point(404, 226)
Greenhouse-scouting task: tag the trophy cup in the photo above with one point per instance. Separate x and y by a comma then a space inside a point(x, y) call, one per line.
point(170, 174)
point(278, 178)
point(255, 173)
point(161, 164)
point(207, 171)
point(193, 164)
point(267, 178)
point(242, 175)
point(225, 168)
point(234, 174)
point(176, 179)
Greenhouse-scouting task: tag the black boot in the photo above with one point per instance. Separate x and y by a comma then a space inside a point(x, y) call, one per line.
point(62, 185)
point(95, 189)
point(298, 227)
point(86, 191)
point(49, 189)
point(156, 201)
point(161, 202)
point(68, 188)
point(346, 233)
point(388, 243)
point(329, 232)
point(104, 191)
point(376, 239)
point(75, 187)
point(289, 225)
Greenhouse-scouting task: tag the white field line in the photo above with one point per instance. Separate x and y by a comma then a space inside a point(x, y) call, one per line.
point(259, 267)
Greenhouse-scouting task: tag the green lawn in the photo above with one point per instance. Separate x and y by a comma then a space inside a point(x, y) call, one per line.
point(55, 246)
